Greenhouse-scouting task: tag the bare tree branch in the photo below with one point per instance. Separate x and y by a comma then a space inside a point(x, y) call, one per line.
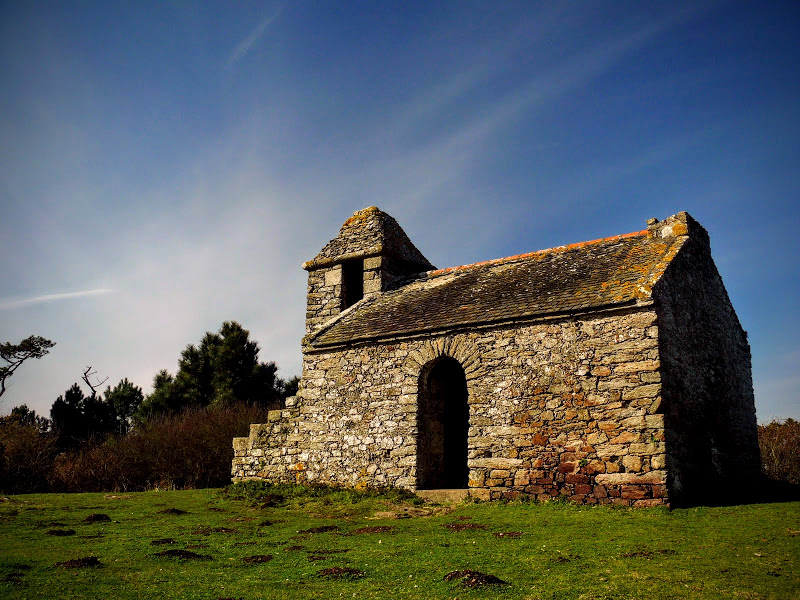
point(88, 373)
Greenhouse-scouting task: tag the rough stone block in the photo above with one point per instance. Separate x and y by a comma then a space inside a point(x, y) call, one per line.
point(495, 463)
point(637, 367)
point(333, 276)
point(240, 445)
point(648, 502)
point(626, 437)
point(650, 390)
point(482, 494)
point(653, 477)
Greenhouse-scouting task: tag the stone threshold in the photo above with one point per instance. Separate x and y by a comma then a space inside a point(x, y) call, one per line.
point(452, 496)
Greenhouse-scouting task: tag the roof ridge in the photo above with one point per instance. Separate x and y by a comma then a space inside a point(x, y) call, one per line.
point(563, 248)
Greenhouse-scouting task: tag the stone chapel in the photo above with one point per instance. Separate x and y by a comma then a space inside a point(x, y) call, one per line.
point(608, 371)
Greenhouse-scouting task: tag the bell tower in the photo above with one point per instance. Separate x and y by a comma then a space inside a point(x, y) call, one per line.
point(368, 256)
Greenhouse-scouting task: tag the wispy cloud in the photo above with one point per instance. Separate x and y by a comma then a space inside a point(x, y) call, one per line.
point(247, 43)
point(417, 170)
point(20, 303)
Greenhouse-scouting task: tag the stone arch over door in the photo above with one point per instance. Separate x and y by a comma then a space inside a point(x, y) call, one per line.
point(424, 356)
point(442, 426)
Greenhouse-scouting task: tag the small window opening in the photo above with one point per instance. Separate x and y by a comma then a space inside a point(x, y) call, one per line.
point(352, 282)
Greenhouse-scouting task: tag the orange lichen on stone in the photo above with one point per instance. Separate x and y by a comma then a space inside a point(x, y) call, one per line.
point(360, 216)
point(676, 229)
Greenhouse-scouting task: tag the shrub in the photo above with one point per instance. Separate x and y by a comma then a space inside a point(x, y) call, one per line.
point(780, 450)
point(191, 449)
point(26, 455)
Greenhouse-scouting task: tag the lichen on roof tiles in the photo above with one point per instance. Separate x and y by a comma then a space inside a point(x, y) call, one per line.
point(578, 277)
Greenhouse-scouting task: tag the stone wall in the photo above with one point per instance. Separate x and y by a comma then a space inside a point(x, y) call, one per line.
point(324, 295)
point(566, 408)
point(708, 391)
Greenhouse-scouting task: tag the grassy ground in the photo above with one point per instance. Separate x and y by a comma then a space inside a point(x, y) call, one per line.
point(548, 551)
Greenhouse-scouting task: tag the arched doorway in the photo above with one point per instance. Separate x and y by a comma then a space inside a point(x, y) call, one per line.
point(442, 426)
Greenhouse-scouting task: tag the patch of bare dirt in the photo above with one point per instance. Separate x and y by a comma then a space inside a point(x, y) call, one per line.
point(508, 534)
point(321, 529)
point(215, 509)
point(239, 544)
point(163, 542)
point(463, 526)
point(173, 511)
point(79, 563)
point(196, 546)
point(565, 558)
point(271, 500)
point(340, 573)
point(183, 555)
point(257, 559)
point(265, 523)
point(97, 518)
point(474, 579)
point(374, 529)
point(14, 578)
point(60, 532)
point(293, 548)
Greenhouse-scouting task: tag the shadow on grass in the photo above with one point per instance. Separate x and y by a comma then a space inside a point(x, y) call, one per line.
point(748, 491)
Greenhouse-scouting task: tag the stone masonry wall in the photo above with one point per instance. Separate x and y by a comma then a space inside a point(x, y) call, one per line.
point(324, 296)
point(564, 408)
point(708, 391)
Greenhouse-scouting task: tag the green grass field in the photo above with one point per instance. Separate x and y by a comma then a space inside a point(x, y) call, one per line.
point(546, 551)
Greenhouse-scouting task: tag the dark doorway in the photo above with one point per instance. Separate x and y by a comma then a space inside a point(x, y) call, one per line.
point(442, 426)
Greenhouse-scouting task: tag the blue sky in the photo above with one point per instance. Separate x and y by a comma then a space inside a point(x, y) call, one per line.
point(167, 166)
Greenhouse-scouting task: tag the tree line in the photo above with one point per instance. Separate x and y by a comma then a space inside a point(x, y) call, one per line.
point(219, 378)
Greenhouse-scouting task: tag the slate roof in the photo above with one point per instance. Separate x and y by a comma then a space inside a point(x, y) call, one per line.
point(580, 277)
point(370, 232)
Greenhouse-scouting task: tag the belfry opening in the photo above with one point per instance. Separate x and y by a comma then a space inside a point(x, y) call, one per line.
point(442, 426)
